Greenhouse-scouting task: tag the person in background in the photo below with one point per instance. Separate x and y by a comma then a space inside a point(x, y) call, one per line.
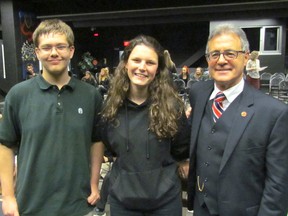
point(144, 123)
point(103, 81)
point(96, 68)
point(252, 68)
point(206, 75)
point(51, 122)
point(233, 169)
point(185, 74)
point(30, 73)
point(198, 75)
point(89, 78)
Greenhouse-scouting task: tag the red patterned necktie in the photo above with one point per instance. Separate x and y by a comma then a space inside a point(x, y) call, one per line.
point(217, 106)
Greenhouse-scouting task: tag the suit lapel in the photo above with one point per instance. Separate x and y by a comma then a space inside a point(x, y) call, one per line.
point(243, 114)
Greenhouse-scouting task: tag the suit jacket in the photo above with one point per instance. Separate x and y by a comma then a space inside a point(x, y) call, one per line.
point(253, 175)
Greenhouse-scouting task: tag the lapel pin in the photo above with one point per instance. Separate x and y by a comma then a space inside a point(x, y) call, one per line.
point(243, 114)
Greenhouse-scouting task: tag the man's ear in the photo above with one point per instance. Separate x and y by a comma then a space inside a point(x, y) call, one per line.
point(246, 58)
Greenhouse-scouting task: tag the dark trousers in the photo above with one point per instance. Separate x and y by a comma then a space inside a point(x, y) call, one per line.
point(172, 208)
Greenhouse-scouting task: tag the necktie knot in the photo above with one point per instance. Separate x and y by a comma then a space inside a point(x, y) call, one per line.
point(220, 97)
point(217, 106)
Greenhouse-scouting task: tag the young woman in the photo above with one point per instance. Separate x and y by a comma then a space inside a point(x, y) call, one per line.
point(88, 77)
point(103, 81)
point(144, 124)
point(185, 74)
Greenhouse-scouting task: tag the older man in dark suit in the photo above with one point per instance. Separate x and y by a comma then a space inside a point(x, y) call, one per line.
point(239, 139)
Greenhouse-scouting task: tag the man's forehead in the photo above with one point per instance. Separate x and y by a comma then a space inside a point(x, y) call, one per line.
point(52, 36)
point(225, 39)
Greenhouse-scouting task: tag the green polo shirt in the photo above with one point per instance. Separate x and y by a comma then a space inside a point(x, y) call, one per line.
point(53, 131)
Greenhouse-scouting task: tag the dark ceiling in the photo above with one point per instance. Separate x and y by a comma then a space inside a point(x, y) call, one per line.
point(91, 13)
point(48, 7)
point(202, 8)
point(120, 18)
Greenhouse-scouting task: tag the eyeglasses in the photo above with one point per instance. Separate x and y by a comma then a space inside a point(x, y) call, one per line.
point(228, 55)
point(59, 48)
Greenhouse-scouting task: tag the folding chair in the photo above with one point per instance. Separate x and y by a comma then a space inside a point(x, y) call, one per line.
point(274, 85)
point(264, 81)
point(189, 85)
point(283, 91)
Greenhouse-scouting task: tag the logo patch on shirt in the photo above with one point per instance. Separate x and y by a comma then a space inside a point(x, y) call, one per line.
point(80, 111)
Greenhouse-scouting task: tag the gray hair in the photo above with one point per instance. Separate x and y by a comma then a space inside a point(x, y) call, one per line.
point(229, 28)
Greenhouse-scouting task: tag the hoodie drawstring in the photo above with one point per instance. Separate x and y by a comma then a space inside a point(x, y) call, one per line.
point(127, 134)
point(127, 128)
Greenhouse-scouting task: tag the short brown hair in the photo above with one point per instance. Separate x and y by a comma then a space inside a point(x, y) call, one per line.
point(53, 26)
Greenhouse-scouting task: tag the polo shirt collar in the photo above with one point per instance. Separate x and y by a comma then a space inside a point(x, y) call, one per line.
point(44, 85)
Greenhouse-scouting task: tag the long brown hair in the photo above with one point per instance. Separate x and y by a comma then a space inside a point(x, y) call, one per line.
point(165, 107)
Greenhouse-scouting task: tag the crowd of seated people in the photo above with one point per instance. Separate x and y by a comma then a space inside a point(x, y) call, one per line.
point(185, 79)
point(100, 81)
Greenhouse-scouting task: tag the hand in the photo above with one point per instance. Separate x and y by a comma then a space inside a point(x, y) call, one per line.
point(9, 206)
point(183, 169)
point(94, 197)
point(188, 112)
point(105, 159)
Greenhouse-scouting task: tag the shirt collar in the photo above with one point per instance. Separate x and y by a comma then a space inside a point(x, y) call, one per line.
point(44, 85)
point(230, 93)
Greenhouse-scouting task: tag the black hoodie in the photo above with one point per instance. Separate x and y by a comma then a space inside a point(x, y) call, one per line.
point(144, 175)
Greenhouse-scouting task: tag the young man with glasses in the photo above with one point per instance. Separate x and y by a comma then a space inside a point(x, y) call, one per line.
point(239, 144)
point(50, 121)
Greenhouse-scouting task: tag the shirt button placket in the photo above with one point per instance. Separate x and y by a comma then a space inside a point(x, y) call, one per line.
point(59, 104)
